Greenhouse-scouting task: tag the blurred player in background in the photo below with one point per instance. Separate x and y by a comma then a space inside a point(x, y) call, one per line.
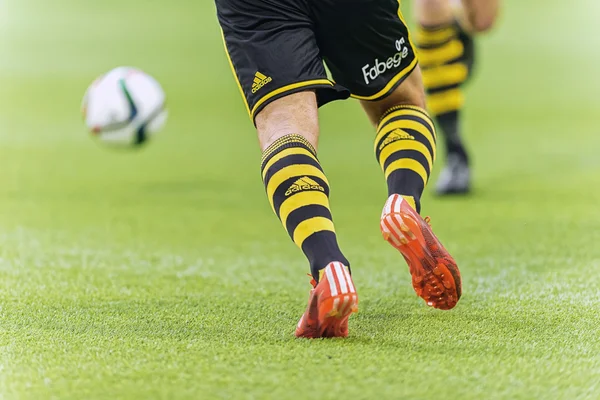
point(276, 49)
point(446, 55)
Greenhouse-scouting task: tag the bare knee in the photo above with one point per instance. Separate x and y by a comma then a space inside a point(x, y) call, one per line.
point(480, 15)
point(293, 114)
point(476, 15)
point(433, 12)
point(410, 92)
point(483, 23)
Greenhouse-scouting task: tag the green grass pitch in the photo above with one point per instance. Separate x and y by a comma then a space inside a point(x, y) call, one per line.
point(163, 274)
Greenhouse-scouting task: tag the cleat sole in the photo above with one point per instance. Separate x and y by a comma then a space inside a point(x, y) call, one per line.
point(432, 280)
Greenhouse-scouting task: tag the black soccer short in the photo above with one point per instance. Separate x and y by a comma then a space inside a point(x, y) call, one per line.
point(277, 47)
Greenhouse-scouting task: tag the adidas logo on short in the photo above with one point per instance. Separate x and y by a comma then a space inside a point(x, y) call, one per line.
point(303, 184)
point(260, 80)
point(394, 136)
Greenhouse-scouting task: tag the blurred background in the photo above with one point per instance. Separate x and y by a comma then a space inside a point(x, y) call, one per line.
point(530, 118)
point(142, 251)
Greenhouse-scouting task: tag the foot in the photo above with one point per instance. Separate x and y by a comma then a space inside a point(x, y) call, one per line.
point(435, 275)
point(330, 304)
point(455, 178)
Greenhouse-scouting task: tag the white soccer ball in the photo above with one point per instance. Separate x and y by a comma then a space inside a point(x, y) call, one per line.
point(124, 107)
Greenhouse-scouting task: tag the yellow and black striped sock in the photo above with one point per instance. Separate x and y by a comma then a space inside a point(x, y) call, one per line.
point(445, 56)
point(405, 147)
point(299, 194)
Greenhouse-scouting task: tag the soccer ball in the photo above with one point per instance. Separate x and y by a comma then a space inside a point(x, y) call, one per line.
point(124, 107)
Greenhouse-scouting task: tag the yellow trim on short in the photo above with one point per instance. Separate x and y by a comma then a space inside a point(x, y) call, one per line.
point(400, 145)
point(235, 73)
point(310, 226)
point(285, 153)
point(409, 36)
point(296, 170)
point(443, 102)
point(294, 202)
point(401, 75)
point(410, 164)
point(287, 88)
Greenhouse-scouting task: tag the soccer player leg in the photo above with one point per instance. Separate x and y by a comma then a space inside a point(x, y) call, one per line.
point(405, 146)
point(446, 56)
point(380, 69)
point(298, 191)
point(276, 61)
point(282, 78)
point(296, 185)
point(405, 143)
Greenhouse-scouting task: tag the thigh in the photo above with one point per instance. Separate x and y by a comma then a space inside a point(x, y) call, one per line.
point(366, 45)
point(273, 51)
point(410, 92)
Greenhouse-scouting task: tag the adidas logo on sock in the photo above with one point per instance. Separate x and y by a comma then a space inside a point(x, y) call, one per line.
point(304, 184)
point(260, 80)
point(395, 135)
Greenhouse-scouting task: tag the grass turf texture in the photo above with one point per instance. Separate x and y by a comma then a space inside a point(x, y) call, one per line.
point(163, 274)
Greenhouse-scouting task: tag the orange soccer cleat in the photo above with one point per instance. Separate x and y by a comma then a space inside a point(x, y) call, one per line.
point(330, 304)
point(435, 275)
